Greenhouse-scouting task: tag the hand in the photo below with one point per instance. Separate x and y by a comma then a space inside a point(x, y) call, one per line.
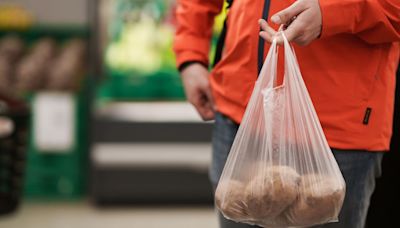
point(302, 20)
point(198, 91)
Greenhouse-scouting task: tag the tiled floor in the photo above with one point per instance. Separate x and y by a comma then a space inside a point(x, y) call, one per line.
point(84, 215)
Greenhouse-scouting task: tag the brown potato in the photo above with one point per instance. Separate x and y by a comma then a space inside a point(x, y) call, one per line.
point(76, 49)
point(30, 74)
point(5, 68)
point(44, 50)
point(12, 48)
point(68, 67)
point(320, 200)
point(6, 72)
point(229, 198)
point(271, 192)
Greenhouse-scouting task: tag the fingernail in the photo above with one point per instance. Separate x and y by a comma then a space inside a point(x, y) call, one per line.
point(276, 19)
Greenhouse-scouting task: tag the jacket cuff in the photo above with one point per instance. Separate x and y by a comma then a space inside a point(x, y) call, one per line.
point(337, 16)
point(188, 63)
point(190, 56)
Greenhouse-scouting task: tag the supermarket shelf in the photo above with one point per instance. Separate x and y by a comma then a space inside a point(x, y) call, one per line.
point(150, 152)
point(113, 131)
point(149, 111)
point(195, 156)
point(127, 122)
point(151, 173)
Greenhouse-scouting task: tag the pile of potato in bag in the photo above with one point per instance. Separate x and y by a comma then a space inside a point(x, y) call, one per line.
point(45, 64)
point(278, 196)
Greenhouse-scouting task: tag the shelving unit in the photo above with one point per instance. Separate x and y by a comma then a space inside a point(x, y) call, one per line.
point(148, 144)
point(162, 157)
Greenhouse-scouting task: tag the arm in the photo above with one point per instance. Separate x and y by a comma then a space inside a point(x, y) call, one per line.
point(374, 21)
point(194, 30)
point(192, 45)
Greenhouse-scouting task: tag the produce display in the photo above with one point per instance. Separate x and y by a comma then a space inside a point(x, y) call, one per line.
point(6, 73)
point(43, 64)
point(67, 68)
point(139, 59)
point(12, 48)
point(32, 71)
point(142, 36)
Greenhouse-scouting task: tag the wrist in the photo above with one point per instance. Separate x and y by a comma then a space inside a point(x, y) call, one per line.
point(186, 64)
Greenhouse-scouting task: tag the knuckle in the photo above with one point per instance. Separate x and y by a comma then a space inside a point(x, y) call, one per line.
point(301, 26)
point(301, 3)
point(284, 16)
point(192, 100)
point(302, 41)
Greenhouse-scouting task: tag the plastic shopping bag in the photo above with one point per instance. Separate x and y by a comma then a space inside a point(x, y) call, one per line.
point(280, 171)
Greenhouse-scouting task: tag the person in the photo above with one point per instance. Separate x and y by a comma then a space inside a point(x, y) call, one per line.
point(348, 52)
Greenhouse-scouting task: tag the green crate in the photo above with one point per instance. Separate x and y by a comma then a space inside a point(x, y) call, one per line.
point(58, 184)
point(61, 175)
point(58, 176)
point(161, 85)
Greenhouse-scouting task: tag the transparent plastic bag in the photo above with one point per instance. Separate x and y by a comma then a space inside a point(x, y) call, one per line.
point(280, 171)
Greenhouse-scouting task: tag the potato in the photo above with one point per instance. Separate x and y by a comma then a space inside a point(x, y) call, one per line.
point(12, 48)
point(229, 198)
point(320, 200)
point(76, 48)
point(271, 192)
point(6, 76)
point(68, 67)
point(44, 50)
point(5, 68)
point(30, 74)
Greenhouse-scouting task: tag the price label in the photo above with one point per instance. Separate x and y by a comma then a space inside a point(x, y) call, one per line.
point(54, 122)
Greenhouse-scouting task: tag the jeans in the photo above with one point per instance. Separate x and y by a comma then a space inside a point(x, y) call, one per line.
point(359, 168)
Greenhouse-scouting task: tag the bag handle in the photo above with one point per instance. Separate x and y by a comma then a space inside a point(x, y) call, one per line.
point(272, 58)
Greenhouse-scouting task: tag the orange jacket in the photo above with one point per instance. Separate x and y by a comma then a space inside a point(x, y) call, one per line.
point(349, 70)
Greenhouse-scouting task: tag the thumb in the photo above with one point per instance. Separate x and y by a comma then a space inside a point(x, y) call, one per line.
point(210, 99)
point(286, 15)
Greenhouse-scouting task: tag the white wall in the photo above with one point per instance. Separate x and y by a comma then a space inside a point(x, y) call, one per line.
point(55, 11)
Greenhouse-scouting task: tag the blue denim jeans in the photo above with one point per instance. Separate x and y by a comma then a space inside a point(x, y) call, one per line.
point(359, 168)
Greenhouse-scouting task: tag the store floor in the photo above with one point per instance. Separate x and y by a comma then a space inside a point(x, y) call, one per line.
point(84, 215)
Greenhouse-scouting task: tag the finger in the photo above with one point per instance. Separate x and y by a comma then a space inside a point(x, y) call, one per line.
point(203, 106)
point(210, 99)
point(206, 111)
point(209, 105)
point(267, 32)
point(265, 27)
point(208, 115)
point(266, 36)
point(286, 15)
point(294, 31)
point(200, 109)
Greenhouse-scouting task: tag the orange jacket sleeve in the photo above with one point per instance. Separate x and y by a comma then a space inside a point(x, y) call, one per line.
point(374, 21)
point(195, 19)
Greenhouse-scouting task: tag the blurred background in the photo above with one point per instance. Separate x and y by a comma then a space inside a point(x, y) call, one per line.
point(94, 127)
